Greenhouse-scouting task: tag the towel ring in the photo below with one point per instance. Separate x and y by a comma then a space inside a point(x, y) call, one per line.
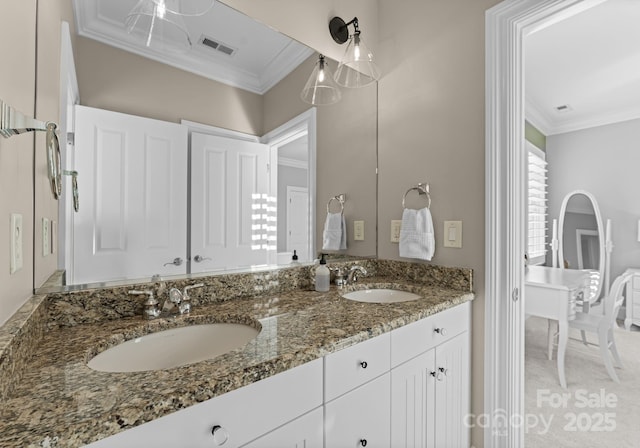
point(421, 189)
point(340, 198)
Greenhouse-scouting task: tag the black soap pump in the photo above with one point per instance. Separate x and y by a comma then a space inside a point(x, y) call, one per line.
point(294, 258)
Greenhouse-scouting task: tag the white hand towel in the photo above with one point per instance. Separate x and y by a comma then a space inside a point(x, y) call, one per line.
point(334, 236)
point(417, 239)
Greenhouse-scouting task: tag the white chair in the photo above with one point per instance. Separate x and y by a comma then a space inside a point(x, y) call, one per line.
point(603, 324)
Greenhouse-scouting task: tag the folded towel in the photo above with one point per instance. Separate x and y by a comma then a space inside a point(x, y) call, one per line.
point(416, 234)
point(334, 236)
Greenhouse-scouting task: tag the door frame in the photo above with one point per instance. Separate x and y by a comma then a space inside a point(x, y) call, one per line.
point(69, 97)
point(305, 123)
point(506, 26)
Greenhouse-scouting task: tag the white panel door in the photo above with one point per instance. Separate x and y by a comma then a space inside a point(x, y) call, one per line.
point(133, 222)
point(413, 402)
point(298, 222)
point(452, 392)
point(232, 213)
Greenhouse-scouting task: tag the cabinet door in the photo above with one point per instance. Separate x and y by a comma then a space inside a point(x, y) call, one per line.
point(452, 392)
point(303, 432)
point(361, 417)
point(413, 402)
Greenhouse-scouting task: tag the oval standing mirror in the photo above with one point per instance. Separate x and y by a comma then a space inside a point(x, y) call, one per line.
point(581, 238)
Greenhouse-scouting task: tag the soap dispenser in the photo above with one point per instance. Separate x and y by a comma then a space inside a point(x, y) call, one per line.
point(294, 258)
point(322, 276)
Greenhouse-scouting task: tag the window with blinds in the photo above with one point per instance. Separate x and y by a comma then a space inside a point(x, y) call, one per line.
point(536, 205)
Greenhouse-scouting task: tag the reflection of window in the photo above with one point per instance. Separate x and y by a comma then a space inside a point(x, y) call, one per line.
point(536, 204)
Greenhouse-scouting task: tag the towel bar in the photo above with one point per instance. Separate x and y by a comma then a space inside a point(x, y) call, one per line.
point(341, 198)
point(422, 189)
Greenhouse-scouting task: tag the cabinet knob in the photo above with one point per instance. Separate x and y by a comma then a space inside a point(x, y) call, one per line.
point(441, 331)
point(444, 371)
point(438, 375)
point(220, 435)
point(363, 442)
point(364, 365)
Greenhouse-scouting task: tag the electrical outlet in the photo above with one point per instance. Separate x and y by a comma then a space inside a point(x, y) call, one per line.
point(358, 230)
point(46, 250)
point(16, 243)
point(453, 234)
point(396, 225)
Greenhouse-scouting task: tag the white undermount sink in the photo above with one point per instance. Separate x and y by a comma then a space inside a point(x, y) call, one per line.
point(173, 348)
point(381, 296)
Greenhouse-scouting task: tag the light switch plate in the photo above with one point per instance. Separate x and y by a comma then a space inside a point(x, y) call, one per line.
point(453, 234)
point(358, 230)
point(15, 263)
point(395, 230)
point(54, 237)
point(46, 249)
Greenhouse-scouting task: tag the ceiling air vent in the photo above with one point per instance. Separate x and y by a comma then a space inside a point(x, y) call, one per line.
point(563, 108)
point(217, 45)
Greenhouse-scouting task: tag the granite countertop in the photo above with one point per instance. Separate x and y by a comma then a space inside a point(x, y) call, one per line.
point(60, 402)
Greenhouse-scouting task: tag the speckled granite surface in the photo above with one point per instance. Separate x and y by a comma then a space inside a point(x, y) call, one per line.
point(60, 401)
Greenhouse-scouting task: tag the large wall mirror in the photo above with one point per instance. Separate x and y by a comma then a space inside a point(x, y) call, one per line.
point(198, 87)
point(582, 238)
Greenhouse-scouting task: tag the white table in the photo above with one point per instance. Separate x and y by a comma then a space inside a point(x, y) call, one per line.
point(551, 293)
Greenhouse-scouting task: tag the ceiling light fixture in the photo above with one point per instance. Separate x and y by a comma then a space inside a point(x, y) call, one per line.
point(357, 68)
point(160, 23)
point(321, 89)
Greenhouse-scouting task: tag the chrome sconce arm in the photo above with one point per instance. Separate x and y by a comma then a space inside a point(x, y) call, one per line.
point(13, 122)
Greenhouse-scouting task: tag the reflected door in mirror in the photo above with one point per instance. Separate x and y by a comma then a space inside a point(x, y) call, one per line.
point(134, 172)
point(233, 216)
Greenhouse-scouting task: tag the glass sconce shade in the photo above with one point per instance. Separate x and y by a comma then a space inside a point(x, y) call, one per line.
point(158, 26)
point(357, 68)
point(185, 7)
point(321, 89)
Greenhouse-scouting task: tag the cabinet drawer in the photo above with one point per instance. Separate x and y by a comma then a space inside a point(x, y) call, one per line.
point(411, 340)
point(243, 414)
point(353, 366)
point(360, 418)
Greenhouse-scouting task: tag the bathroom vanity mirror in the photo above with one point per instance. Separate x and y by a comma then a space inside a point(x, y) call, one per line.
point(115, 79)
point(582, 242)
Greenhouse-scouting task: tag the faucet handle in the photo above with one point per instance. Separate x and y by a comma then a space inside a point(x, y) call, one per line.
point(151, 310)
point(150, 299)
point(175, 295)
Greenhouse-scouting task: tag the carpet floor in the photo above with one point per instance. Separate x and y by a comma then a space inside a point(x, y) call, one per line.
point(594, 411)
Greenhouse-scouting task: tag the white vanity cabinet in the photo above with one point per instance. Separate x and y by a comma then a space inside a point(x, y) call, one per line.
point(357, 395)
point(239, 416)
point(406, 388)
point(430, 391)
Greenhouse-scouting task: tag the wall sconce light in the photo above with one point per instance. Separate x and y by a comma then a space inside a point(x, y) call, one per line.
point(357, 68)
point(160, 23)
point(321, 89)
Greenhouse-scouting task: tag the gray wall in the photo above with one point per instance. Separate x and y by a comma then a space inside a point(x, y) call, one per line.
point(604, 161)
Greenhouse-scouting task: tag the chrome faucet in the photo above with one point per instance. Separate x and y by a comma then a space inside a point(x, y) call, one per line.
point(177, 303)
point(352, 277)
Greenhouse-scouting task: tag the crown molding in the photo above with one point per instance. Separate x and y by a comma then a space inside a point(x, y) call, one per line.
point(90, 23)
